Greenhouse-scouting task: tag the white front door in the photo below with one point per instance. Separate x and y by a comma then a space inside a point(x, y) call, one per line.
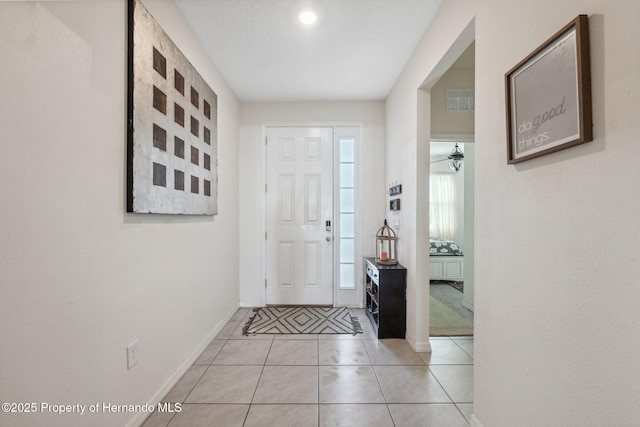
point(299, 203)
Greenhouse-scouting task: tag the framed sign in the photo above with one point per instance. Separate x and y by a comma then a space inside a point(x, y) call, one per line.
point(548, 96)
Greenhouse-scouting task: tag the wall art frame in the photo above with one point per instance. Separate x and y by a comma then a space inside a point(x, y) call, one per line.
point(172, 160)
point(548, 96)
point(395, 190)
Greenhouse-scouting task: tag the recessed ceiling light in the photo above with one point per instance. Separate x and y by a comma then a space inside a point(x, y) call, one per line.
point(308, 16)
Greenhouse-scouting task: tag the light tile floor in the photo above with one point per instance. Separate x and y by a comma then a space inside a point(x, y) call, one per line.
point(323, 380)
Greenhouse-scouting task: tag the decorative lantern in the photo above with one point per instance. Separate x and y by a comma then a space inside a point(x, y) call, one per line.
point(386, 245)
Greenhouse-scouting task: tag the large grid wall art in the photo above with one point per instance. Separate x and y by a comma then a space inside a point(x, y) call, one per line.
point(172, 126)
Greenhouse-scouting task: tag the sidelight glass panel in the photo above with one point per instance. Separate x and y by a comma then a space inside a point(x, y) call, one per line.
point(346, 225)
point(347, 252)
point(346, 200)
point(346, 150)
point(346, 175)
point(347, 275)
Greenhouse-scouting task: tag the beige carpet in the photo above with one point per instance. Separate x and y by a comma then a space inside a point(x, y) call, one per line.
point(444, 322)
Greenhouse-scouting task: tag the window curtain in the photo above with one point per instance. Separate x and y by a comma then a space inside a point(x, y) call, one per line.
point(442, 206)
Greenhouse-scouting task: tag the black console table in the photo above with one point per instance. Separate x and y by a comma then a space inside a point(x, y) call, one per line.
point(385, 288)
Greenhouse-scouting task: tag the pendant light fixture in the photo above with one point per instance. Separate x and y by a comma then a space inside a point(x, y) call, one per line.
point(455, 159)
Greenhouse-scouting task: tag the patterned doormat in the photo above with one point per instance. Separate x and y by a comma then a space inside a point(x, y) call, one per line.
point(302, 320)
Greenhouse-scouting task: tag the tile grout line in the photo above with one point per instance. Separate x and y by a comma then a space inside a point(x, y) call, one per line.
point(241, 325)
point(442, 386)
point(184, 401)
point(459, 346)
point(361, 338)
point(318, 387)
point(386, 403)
point(253, 396)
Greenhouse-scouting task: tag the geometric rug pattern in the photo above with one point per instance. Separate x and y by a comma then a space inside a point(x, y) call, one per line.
point(302, 320)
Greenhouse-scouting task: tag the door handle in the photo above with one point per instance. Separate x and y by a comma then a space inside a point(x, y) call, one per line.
point(328, 238)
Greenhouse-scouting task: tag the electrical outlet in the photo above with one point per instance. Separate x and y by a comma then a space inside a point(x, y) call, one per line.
point(132, 354)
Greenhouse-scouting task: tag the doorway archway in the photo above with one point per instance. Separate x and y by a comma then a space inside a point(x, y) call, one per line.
point(424, 136)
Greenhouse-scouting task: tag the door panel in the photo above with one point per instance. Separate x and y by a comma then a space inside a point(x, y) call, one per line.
point(299, 200)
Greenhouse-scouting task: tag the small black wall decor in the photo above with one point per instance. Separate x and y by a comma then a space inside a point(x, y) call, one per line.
point(395, 190)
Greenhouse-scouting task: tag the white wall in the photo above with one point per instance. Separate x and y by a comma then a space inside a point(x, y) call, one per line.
point(408, 133)
point(469, 167)
point(80, 279)
point(555, 314)
point(253, 117)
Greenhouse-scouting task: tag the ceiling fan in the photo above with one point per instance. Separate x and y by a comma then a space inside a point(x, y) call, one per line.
point(455, 159)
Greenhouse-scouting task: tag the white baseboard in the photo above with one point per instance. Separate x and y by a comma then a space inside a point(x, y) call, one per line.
point(475, 422)
point(422, 347)
point(251, 304)
point(141, 417)
point(419, 346)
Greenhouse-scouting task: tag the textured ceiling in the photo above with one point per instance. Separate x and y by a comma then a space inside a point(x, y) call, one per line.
point(355, 51)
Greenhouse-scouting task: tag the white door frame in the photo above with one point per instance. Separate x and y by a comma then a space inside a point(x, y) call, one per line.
point(357, 294)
